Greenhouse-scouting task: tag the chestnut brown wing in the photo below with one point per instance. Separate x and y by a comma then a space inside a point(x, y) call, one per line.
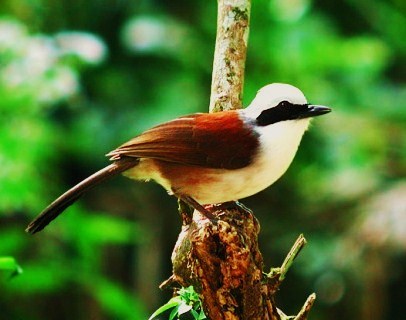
point(215, 140)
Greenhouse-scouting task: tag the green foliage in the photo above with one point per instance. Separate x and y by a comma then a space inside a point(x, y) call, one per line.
point(78, 78)
point(118, 303)
point(38, 73)
point(9, 264)
point(186, 300)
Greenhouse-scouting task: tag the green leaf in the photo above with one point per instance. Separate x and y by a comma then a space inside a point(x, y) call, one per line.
point(186, 301)
point(173, 302)
point(10, 264)
point(174, 312)
point(194, 314)
point(202, 316)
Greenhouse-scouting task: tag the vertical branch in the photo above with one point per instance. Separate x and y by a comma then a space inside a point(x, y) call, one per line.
point(230, 54)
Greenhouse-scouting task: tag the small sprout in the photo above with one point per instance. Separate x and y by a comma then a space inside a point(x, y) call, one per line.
point(186, 301)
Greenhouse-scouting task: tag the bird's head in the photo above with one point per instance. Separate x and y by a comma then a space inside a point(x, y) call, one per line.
point(279, 102)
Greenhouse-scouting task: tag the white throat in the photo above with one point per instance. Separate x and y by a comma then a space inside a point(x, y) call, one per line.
point(279, 143)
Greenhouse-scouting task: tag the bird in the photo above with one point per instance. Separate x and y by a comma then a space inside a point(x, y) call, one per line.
point(209, 158)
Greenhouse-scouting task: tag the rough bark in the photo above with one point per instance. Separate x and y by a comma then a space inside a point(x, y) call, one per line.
point(223, 263)
point(230, 54)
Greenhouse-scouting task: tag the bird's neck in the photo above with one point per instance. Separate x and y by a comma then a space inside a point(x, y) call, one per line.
point(280, 141)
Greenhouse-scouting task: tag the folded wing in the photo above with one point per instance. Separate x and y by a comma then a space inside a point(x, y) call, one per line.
point(217, 140)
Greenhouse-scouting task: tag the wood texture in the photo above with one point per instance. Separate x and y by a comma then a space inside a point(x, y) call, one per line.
point(230, 54)
point(223, 263)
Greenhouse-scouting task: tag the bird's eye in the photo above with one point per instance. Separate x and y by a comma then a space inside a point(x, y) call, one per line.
point(284, 103)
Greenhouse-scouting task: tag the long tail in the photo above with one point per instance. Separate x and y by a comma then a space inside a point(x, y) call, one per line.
point(73, 194)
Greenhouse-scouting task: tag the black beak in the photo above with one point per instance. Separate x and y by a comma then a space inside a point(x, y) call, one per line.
point(314, 111)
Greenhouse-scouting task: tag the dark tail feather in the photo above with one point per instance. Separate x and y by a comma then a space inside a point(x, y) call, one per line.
point(73, 194)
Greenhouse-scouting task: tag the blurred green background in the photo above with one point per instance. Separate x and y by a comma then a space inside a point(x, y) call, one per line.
point(80, 77)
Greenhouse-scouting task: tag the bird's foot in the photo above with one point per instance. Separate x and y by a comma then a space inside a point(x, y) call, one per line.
point(185, 211)
point(196, 205)
point(233, 205)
